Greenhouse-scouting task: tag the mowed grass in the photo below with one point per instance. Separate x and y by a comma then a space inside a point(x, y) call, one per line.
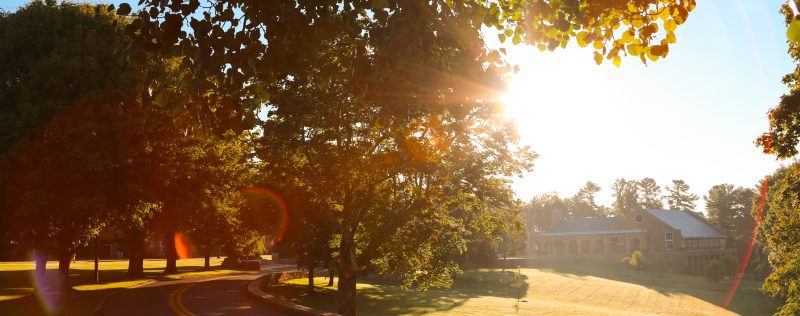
point(18, 298)
point(548, 289)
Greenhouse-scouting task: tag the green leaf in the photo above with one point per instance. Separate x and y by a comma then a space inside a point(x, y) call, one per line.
point(501, 37)
point(793, 33)
point(124, 9)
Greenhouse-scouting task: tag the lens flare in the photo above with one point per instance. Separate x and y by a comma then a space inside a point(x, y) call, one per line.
point(764, 190)
point(181, 246)
point(275, 201)
point(48, 299)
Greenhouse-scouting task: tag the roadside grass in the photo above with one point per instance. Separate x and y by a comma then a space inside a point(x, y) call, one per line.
point(582, 288)
point(17, 296)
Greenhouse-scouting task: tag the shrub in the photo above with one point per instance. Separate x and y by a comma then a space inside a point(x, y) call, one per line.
point(730, 265)
point(637, 261)
point(714, 271)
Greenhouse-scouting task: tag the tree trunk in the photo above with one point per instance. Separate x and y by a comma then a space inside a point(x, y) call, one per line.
point(348, 274)
point(171, 254)
point(136, 253)
point(207, 263)
point(311, 279)
point(330, 276)
point(40, 258)
point(96, 263)
point(64, 261)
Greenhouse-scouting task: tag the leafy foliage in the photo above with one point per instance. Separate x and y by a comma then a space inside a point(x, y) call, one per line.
point(730, 265)
point(729, 208)
point(714, 271)
point(781, 231)
point(679, 197)
point(626, 197)
point(637, 261)
point(236, 48)
point(583, 203)
point(543, 211)
point(784, 122)
point(650, 197)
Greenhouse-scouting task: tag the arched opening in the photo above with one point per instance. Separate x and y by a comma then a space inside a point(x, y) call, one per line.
point(585, 246)
point(560, 247)
point(599, 246)
point(573, 247)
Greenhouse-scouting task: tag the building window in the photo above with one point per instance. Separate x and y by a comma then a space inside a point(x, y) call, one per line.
point(638, 218)
point(668, 241)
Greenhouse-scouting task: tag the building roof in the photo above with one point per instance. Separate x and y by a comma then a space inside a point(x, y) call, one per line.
point(690, 225)
point(581, 225)
point(590, 232)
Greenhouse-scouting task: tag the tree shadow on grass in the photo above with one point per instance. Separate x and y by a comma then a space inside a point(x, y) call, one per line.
point(376, 296)
point(18, 298)
point(748, 299)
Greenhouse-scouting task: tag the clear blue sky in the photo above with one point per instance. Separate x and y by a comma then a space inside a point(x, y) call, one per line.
point(692, 116)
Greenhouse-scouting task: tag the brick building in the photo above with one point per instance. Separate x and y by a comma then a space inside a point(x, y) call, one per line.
point(679, 241)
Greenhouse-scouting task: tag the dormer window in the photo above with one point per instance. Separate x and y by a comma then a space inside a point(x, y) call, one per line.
point(638, 218)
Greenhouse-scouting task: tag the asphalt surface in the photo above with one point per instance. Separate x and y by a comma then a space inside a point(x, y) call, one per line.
point(203, 295)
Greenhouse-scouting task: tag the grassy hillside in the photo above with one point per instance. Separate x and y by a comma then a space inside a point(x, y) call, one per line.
point(550, 289)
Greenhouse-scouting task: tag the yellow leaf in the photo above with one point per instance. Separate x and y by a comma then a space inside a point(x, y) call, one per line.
point(617, 61)
point(627, 37)
point(793, 32)
point(597, 44)
point(671, 37)
point(581, 37)
point(651, 55)
point(664, 15)
point(632, 7)
point(634, 49)
point(637, 22)
point(670, 25)
point(598, 58)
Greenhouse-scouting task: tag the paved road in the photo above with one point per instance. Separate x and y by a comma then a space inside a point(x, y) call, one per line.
point(204, 295)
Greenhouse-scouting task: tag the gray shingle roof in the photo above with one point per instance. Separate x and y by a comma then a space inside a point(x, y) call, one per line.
point(690, 225)
point(576, 225)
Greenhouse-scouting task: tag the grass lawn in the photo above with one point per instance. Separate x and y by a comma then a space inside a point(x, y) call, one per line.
point(548, 289)
point(17, 296)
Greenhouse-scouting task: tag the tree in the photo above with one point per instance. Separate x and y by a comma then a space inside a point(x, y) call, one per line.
point(780, 229)
point(406, 183)
point(650, 197)
point(271, 39)
point(679, 197)
point(229, 168)
point(626, 197)
point(583, 203)
point(64, 84)
point(729, 208)
point(543, 211)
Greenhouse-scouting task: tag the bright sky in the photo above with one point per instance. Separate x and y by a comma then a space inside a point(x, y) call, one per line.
point(692, 116)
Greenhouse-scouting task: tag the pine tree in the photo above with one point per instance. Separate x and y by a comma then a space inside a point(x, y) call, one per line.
point(650, 191)
point(679, 197)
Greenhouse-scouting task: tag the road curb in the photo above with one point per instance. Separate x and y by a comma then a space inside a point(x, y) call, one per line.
point(255, 291)
point(98, 311)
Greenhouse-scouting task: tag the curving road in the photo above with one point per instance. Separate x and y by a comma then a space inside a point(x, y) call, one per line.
point(203, 295)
